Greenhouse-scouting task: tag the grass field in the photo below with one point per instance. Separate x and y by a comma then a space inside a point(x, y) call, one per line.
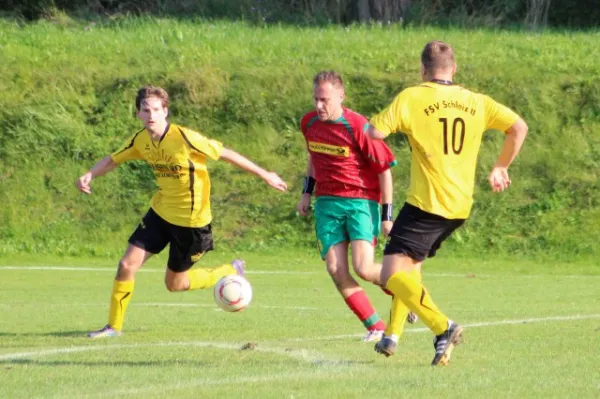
point(532, 331)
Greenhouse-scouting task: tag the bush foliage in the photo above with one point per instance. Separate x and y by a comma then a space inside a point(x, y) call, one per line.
point(530, 13)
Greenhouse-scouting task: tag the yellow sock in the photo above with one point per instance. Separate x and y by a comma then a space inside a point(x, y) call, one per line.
point(119, 299)
point(205, 278)
point(399, 312)
point(412, 293)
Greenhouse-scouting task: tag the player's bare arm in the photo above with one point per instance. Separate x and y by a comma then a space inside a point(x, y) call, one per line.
point(515, 136)
point(303, 206)
point(104, 166)
point(271, 178)
point(387, 197)
point(375, 134)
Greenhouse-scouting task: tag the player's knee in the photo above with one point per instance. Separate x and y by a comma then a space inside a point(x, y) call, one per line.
point(175, 285)
point(331, 268)
point(338, 274)
point(127, 269)
point(363, 272)
point(334, 270)
point(176, 282)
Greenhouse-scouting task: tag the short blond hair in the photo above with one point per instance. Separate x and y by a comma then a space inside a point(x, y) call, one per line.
point(328, 77)
point(151, 91)
point(437, 55)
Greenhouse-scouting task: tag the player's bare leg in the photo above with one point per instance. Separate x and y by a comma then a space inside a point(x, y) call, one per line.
point(363, 255)
point(131, 262)
point(336, 261)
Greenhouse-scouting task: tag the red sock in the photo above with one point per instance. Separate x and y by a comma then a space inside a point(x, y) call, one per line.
point(361, 306)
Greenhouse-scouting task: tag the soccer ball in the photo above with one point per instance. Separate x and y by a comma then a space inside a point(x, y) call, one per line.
point(233, 293)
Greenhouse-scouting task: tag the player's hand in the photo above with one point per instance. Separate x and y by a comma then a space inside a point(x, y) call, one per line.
point(499, 179)
point(304, 205)
point(275, 181)
point(83, 183)
point(386, 227)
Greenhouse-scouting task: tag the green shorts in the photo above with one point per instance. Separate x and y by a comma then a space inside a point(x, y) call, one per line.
point(339, 219)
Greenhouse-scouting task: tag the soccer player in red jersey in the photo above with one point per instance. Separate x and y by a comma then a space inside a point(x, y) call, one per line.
point(352, 176)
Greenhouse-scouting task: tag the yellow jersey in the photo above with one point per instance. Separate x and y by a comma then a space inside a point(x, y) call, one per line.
point(178, 161)
point(444, 124)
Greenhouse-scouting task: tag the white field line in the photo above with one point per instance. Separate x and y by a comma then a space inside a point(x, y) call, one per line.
point(298, 354)
point(301, 354)
point(326, 366)
point(289, 272)
point(467, 325)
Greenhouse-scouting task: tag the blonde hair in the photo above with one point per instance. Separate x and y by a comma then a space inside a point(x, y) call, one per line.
point(328, 77)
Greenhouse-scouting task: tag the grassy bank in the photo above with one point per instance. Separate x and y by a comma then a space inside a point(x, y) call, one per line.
point(68, 91)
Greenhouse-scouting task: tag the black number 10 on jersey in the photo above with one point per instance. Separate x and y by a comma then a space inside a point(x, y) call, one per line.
point(457, 138)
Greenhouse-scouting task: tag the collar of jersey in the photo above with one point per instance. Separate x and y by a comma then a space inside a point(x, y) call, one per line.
point(430, 83)
point(340, 119)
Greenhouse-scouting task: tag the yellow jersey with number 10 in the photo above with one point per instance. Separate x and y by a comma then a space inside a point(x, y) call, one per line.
point(444, 124)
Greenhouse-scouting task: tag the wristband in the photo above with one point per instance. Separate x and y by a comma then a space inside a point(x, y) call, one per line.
point(309, 185)
point(387, 212)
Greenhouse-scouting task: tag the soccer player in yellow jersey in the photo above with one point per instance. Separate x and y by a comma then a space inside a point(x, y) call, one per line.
point(444, 124)
point(179, 212)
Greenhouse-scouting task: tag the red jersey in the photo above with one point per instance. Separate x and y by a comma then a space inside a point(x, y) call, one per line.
point(345, 160)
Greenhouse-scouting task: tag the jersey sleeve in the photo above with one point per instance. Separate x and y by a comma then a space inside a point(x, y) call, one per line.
point(127, 152)
point(394, 118)
point(498, 116)
point(198, 142)
point(377, 153)
point(306, 121)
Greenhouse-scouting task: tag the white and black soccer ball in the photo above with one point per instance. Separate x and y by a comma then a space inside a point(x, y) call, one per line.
point(233, 293)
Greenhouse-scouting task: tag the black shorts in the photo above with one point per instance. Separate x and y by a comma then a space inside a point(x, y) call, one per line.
point(188, 244)
point(419, 234)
